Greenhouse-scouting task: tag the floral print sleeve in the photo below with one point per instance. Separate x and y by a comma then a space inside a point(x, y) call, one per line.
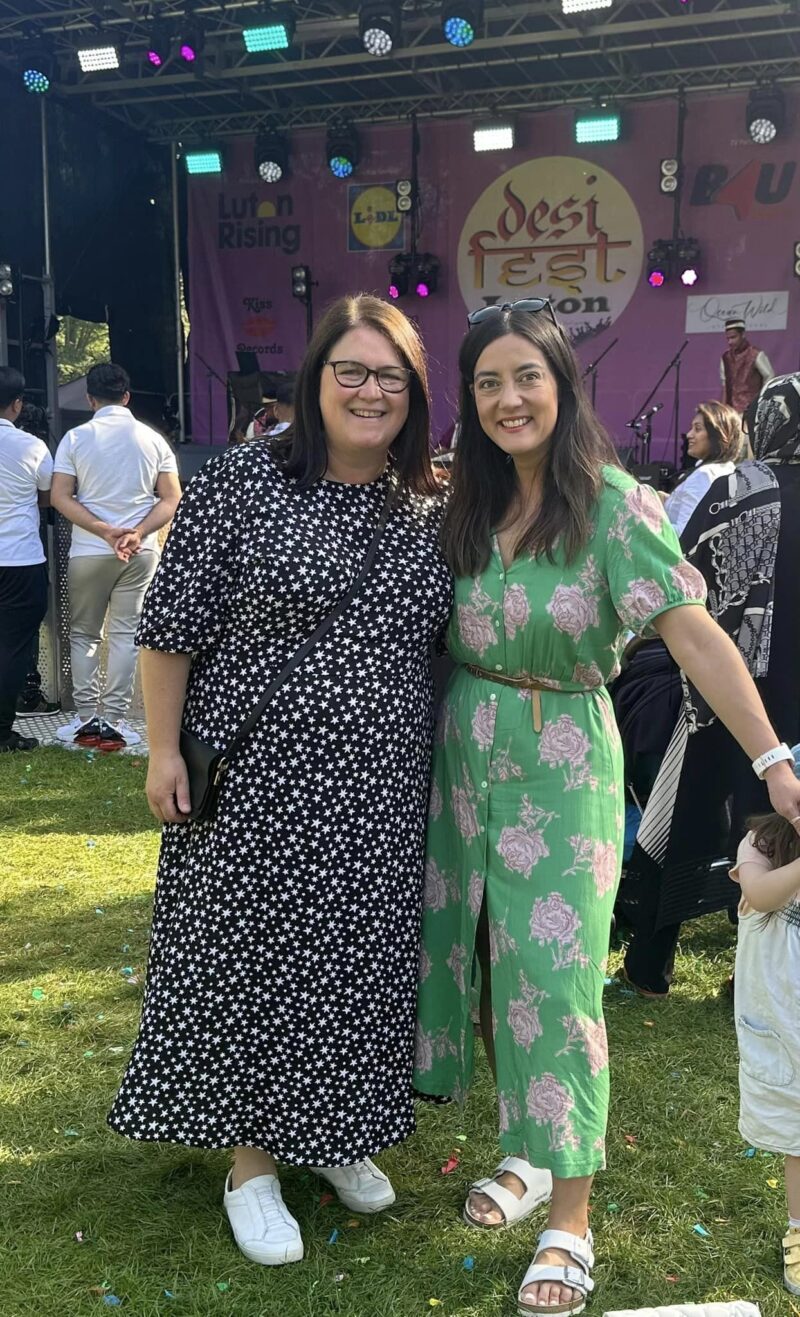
point(646, 570)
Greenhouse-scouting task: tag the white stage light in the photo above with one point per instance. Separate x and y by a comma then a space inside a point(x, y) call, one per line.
point(582, 6)
point(495, 136)
point(94, 58)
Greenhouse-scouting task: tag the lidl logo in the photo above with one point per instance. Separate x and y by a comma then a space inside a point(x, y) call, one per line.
point(375, 222)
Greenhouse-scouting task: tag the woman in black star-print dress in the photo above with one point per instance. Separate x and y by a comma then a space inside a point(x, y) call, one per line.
point(280, 1005)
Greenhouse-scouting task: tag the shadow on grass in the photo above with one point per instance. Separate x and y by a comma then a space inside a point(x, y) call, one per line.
point(53, 792)
point(80, 940)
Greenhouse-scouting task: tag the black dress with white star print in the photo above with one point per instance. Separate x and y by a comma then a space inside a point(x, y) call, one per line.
point(281, 983)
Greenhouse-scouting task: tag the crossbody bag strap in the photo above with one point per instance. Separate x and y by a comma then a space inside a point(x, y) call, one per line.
point(236, 742)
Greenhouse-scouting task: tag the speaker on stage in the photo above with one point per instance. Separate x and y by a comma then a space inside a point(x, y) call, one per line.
point(656, 474)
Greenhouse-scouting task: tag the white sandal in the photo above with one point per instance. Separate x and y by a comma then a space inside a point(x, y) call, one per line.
point(538, 1189)
point(577, 1278)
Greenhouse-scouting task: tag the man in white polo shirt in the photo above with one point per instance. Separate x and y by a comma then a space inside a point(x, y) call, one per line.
point(116, 480)
point(26, 469)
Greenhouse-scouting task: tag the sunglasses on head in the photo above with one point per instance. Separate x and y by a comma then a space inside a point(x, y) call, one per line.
point(533, 304)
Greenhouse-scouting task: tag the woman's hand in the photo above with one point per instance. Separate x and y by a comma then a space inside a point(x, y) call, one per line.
point(784, 792)
point(167, 788)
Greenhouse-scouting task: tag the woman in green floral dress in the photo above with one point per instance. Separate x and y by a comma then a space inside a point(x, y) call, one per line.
point(557, 554)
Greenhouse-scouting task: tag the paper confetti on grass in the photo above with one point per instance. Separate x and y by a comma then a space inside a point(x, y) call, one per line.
point(38, 994)
point(223, 1285)
point(701, 1231)
point(325, 1199)
point(450, 1165)
point(468, 1264)
point(631, 1140)
point(333, 1236)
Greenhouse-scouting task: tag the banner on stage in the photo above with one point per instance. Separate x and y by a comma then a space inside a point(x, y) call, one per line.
point(760, 311)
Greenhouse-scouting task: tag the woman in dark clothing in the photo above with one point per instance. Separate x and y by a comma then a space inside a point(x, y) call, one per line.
point(745, 539)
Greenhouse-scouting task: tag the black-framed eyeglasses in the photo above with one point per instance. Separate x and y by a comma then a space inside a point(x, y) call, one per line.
point(352, 374)
point(533, 304)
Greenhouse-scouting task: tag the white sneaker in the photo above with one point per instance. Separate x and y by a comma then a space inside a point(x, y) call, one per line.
point(129, 735)
point(68, 731)
point(262, 1226)
point(361, 1187)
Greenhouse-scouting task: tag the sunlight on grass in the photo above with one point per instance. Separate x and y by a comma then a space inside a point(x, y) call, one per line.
point(77, 860)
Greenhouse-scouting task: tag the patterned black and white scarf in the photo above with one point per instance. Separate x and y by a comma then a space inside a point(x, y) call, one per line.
point(732, 537)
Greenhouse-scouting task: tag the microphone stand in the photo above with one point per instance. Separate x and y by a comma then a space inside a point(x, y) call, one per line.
point(211, 374)
point(674, 364)
point(591, 369)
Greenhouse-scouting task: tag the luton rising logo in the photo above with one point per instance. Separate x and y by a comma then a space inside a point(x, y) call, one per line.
point(556, 227)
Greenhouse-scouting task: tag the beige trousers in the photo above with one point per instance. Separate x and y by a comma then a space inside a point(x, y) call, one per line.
point(100, 584)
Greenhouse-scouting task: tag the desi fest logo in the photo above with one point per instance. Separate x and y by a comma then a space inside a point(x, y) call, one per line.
point(555, 227)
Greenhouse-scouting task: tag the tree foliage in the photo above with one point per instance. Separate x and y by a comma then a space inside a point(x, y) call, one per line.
point(81, 344)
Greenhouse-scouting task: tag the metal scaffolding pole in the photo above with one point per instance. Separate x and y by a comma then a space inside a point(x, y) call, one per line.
point(53, 621)
point(176, 254)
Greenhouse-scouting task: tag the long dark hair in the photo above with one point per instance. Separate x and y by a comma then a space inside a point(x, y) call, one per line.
point(484, 482)
point(302, 451)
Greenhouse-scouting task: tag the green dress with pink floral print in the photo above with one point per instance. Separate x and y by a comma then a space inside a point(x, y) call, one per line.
point(532, 823)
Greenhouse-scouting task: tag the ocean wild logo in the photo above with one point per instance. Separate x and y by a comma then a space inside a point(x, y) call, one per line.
point(375, 222)
point(555, 227)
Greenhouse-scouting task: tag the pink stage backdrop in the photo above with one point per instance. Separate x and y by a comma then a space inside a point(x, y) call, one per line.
point(548, 218)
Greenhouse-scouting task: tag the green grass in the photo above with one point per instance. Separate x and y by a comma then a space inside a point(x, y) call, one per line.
point(76, 840)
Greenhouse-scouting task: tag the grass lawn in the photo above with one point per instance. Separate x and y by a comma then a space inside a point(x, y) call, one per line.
point(77, 860)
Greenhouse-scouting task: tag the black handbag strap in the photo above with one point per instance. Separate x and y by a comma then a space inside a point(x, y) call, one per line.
point(235, 744)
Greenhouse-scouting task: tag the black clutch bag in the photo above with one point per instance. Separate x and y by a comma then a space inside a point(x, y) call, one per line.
point(206, 765)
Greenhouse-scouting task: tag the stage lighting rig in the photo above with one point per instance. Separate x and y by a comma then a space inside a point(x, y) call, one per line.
point(461, 20)
point(269, 29)
point(191, 41)
point(603, 124)
point(271, 156)
point(379, 26)
point(159, 47)
point(37, 73)
point(687, 261)
point(493, 135)
point(6, 281)
point(766, 114)
point(204, 160)
point(583, 6)
point(98, 57)
point(659, 263)
point(426, 274)
point(342, 150)
point(399, 275)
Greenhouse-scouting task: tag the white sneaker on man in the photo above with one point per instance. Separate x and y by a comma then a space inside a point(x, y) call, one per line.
point(68, 731)
point(361, 1187)
point(262, 1225)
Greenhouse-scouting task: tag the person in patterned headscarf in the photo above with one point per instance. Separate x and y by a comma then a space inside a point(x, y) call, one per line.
point(745, 539)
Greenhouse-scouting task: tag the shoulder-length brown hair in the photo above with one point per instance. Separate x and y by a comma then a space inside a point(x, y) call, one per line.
point(302, 451)
point(724, 430)
point(775, 837)
point(484, 482)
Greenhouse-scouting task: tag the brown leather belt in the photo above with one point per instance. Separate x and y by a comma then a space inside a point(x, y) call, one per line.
point(521, 683)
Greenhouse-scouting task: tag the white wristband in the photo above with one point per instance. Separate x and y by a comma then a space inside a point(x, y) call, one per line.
point(775, 756)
